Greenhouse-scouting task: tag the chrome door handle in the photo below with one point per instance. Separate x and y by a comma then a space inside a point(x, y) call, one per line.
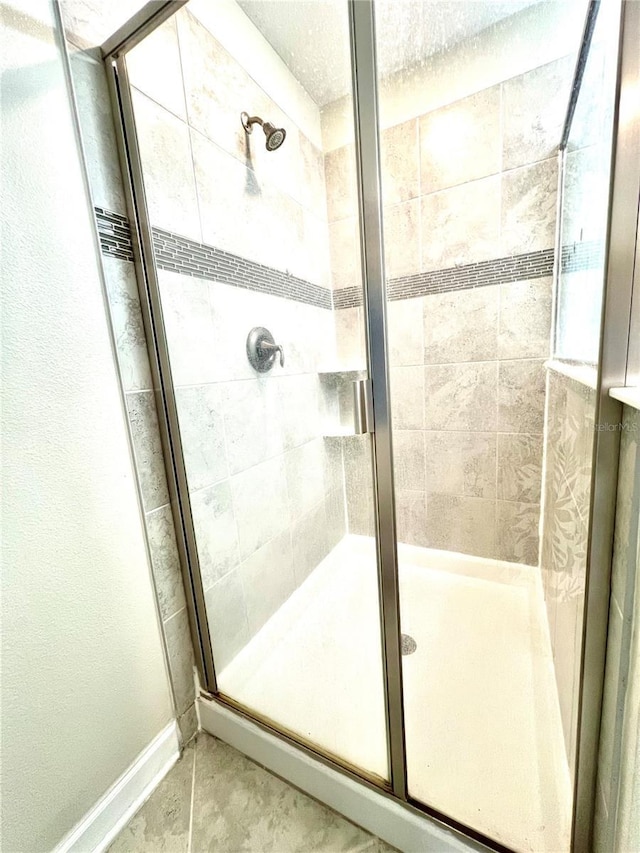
point(362, 407)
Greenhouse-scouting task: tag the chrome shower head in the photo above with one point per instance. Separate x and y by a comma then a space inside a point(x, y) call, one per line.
point(275, 135)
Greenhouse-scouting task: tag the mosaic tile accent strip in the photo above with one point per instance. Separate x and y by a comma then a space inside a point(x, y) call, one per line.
point(115, 234)
point(188, 257)
point(499, 271)
point(582, 256)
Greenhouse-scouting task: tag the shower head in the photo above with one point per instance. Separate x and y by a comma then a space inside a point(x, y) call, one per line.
point(275, 135)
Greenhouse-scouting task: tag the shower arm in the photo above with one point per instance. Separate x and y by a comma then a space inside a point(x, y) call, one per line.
point(248, 122)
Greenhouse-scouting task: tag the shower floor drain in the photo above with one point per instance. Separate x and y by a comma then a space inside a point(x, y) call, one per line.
point(408, 644)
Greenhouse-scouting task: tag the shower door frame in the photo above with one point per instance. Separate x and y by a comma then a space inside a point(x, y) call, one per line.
point(614, 346)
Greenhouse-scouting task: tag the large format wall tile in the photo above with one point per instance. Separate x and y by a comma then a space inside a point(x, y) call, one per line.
point(517, 532)
point(521, 396)
point(461, 463)
point(461, 225)
point(461, 325)
point(252, 422)
point(210, 76)
point(309, 541)
point(154, 68)
point(409, 459)
point(267, 580)
point(534, 106)
point(358, 479)
point(181, 661)
point(98, 136)
point(200, 414)
point(411, 517)
point(405, 332)
point(189, 326)
point(400, 165)
point(147, 449)
point(462, 524)
point(167, 166)
point(461, 396)
point(525, 319)
point(528, 215)
point(519, 467)
point(344, 245)
point(401, 226)
point(312, 181)
point(260, 504)
point(461, 142)
point(340, 177)
point(165, 561)
point(407, 397)
point(126, 320)
point(227, 618)
point(305, 477)
point(267, 225)
point(215, 530)
point(299, 407)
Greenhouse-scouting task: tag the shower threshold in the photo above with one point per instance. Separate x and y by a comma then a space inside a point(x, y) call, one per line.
point(482, 722)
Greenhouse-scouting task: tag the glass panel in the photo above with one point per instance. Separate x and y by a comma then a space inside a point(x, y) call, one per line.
point(586, 181)
point(259, 230)
point(473, 98)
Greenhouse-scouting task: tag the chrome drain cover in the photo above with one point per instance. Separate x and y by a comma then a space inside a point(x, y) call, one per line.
point(408, 645)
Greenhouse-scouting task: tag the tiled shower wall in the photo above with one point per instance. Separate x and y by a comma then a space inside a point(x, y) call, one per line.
point(266, 488)
point(563, 558)
point(98, 140)
point(469, 195)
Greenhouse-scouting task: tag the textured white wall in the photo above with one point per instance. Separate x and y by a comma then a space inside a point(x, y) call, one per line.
point(84, 687)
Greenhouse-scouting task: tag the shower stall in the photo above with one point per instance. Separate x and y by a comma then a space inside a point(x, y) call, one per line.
point(371, 243)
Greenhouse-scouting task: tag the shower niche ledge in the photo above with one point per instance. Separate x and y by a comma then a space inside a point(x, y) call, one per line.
point(337, 409)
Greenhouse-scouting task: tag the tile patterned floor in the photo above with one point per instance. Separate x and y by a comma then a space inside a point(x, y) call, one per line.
point(216, 799)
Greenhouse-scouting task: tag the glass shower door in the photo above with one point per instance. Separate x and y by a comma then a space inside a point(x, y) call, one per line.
point(472, 103)
point(254, 213)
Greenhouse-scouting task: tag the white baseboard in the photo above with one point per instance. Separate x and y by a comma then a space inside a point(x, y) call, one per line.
point(111, 813)
point(399, 825)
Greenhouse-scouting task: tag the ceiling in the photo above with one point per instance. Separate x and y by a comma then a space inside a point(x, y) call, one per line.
point(311, 36)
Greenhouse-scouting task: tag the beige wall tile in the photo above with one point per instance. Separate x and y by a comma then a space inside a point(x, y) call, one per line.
point(267, 580)
point(216, 532)
point(409, 459)
point(533, 110)
point(461, 396)
point(461, 325)
point(461, 142)
point(461, 225)
point(459, 463)
point(405, 331)
point(411, 517)
point(340, 178)
point(519, 467)
point(517, 532)
point(525, 319)
point(407, 397)
point(344, 245)
point(521, 396)
point(401, 227)
point(528, 217)
point(227, 618)
point(167, 166)
point(400, 162)
point(461, 524)
point(154, 68)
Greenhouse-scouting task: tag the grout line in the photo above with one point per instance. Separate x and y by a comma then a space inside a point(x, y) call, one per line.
point(193, 794)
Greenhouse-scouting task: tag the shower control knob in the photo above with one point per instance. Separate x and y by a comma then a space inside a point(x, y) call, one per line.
point(262, 350)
